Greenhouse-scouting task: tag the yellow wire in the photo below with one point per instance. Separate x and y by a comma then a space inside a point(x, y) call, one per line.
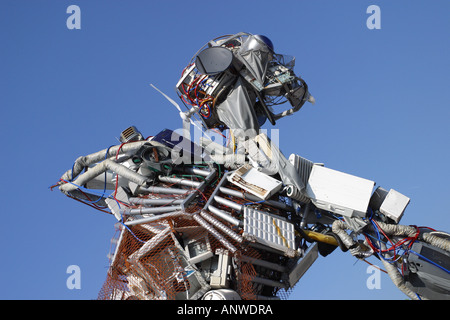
point(279, 233)
point(233, 141)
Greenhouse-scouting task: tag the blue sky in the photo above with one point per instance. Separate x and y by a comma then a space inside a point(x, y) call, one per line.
point(382, 113)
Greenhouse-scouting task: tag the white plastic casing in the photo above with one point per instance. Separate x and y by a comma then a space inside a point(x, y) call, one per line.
point(339, 192)
point(255, 182)
point(394, 205)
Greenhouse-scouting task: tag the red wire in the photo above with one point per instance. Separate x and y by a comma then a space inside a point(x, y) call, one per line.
point(215, 130)
point(196, 87)
point(204, 197)
point(396, 245)
point(90, 205)
point(93, 205)
point(187, 95)
point(392, 243)
point(190, 88)
point(371, 244)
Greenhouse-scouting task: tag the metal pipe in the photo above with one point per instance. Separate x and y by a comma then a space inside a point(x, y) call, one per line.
point(164, 190)
point(305, 215)
point(224, 216)
point(219, 225)
point(150, 210)
point(85, 161)
point(268, 282)
point(265, 264)
point(183, 182)
point(101, 168)
point(214, 233)
point(152, 202)
point(199, 189)
point(155, 218)
point(196, 171)
point(221, 183)
point(228, 203)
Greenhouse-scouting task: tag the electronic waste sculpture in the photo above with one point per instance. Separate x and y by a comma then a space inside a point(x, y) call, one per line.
point(241, 221)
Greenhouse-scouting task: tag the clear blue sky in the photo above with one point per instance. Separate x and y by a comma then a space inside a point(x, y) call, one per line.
point(382, 113)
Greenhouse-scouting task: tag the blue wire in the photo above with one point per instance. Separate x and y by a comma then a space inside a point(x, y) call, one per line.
point(249, 203)
point(390, 260)
point(409, 250)
point(428, 260)
point(71, 179)
point(92, 191)
point(379, 241)
point(128, 228)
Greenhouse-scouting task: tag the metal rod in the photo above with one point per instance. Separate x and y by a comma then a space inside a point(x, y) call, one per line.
point(214, 233)
point(152, 202)
point(265, 264)
point(200, 188)
point(224, 216)
point(222, 182)
point(183, 182)
point(268, 282)
point(150, 210)
point(196, 171)
point(219, 225)
point(165, 190)
point(228, 203)
point(155, 218)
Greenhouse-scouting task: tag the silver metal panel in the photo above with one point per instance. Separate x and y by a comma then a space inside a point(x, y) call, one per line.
point(299, 269)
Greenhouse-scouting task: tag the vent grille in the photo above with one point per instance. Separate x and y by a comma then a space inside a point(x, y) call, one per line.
point(130, 134)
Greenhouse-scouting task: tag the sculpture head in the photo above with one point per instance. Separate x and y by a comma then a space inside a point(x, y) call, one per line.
point(238, 81)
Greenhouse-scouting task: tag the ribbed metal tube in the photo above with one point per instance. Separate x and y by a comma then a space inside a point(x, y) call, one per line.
point(219, 225)
point(214, 233)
